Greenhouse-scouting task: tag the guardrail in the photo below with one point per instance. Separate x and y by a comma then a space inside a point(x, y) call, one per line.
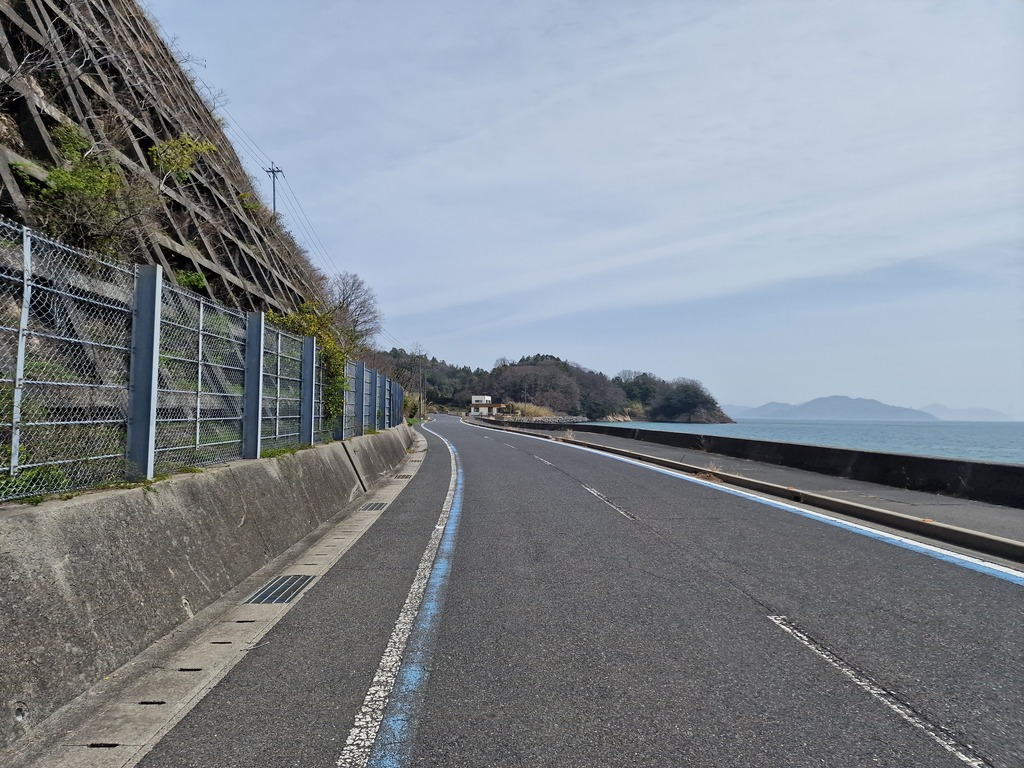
point(109, 373)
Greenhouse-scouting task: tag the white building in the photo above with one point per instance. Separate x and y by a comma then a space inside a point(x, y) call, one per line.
point(481, 405)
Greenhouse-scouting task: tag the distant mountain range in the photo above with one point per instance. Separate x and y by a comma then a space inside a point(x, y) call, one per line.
point(840, 408)
point(964, 414)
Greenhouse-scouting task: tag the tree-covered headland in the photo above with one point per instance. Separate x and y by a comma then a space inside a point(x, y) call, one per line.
point(550, 384)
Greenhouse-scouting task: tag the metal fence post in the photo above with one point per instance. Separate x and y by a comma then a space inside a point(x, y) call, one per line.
point(143, 371)
point(19, 365)
point(198, 431)
point(359, 407)
point(252, 404)
point(306, 402)
point(373, 395)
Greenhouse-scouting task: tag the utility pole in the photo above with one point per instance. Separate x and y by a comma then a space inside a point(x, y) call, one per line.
point(273, 170)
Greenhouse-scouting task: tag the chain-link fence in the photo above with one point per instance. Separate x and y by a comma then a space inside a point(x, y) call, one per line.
point(282, 389)
point(323, 426)
point(65, 344)
point(108, 373)
point(348, 420)
point(201, 382)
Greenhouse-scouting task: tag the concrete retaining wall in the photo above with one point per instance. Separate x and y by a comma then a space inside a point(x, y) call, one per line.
point(993, 483)
point(92, 581)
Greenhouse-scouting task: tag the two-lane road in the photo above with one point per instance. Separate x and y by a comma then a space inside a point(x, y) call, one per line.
point(584, 611)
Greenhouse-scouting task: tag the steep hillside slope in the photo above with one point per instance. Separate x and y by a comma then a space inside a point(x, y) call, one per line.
point(145, 172)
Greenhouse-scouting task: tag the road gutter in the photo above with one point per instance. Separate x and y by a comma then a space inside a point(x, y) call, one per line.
point(118, 721)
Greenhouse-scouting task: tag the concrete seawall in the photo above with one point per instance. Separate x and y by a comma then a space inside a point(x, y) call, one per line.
point(92, 581)
point(980, 481)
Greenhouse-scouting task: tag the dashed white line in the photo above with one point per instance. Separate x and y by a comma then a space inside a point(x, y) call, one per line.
point(936, 733)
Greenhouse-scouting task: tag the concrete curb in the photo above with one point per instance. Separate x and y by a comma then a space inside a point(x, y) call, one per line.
point(996, 546)
point(92, 581)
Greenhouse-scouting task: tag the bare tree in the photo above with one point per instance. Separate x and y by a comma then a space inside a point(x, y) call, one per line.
point(354, 306)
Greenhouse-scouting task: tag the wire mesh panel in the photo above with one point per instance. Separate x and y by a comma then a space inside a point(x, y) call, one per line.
point(348, 424)
point(282, 389)
point(323, 425)
point(201, 382)
point(369, 417)
point(65, 341)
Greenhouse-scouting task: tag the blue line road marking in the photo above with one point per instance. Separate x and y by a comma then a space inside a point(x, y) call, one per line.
point(385, 726)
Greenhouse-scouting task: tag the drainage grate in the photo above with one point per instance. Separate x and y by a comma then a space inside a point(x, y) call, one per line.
point(373, 506)
point(403, 477)
point(280, 590)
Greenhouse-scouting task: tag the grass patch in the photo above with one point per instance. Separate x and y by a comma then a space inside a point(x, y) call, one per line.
point(529, 410)
point(273, 453)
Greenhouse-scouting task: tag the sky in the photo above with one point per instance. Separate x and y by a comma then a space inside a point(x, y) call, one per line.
point(784, 199)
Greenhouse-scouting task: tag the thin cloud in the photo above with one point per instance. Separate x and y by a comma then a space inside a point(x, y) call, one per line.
point(494, 167)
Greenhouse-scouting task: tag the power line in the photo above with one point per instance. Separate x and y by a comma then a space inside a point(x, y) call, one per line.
point(235, 124)
point(317, 249)
point(289, 204)
point(242, 140)
point(288, 184)
point(393, 340)
point(302, 221)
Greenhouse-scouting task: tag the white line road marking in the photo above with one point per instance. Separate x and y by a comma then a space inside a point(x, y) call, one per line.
point(604, 498)
point(936, 733)
point(543, 461)
point(359, 745)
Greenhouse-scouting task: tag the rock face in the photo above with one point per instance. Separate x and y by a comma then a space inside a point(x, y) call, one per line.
point(702, 415)
point(99, 69)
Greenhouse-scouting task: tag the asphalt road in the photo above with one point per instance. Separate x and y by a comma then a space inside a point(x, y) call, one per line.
point(588, 612)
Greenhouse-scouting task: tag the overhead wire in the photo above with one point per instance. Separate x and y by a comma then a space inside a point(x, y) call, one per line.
point(248, 145)
point(317, 249)
point(316, 236)
point(301, 220)
point(233, 124)
point(396, 342)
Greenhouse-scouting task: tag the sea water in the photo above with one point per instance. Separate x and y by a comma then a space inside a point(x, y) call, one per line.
point(998, 441)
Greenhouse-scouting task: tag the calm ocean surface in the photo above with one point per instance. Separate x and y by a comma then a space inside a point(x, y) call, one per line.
point(975, 440)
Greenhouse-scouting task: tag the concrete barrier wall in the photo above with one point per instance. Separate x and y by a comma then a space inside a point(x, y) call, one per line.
point(374, 456)
point(993, 483)
point(92, 581)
